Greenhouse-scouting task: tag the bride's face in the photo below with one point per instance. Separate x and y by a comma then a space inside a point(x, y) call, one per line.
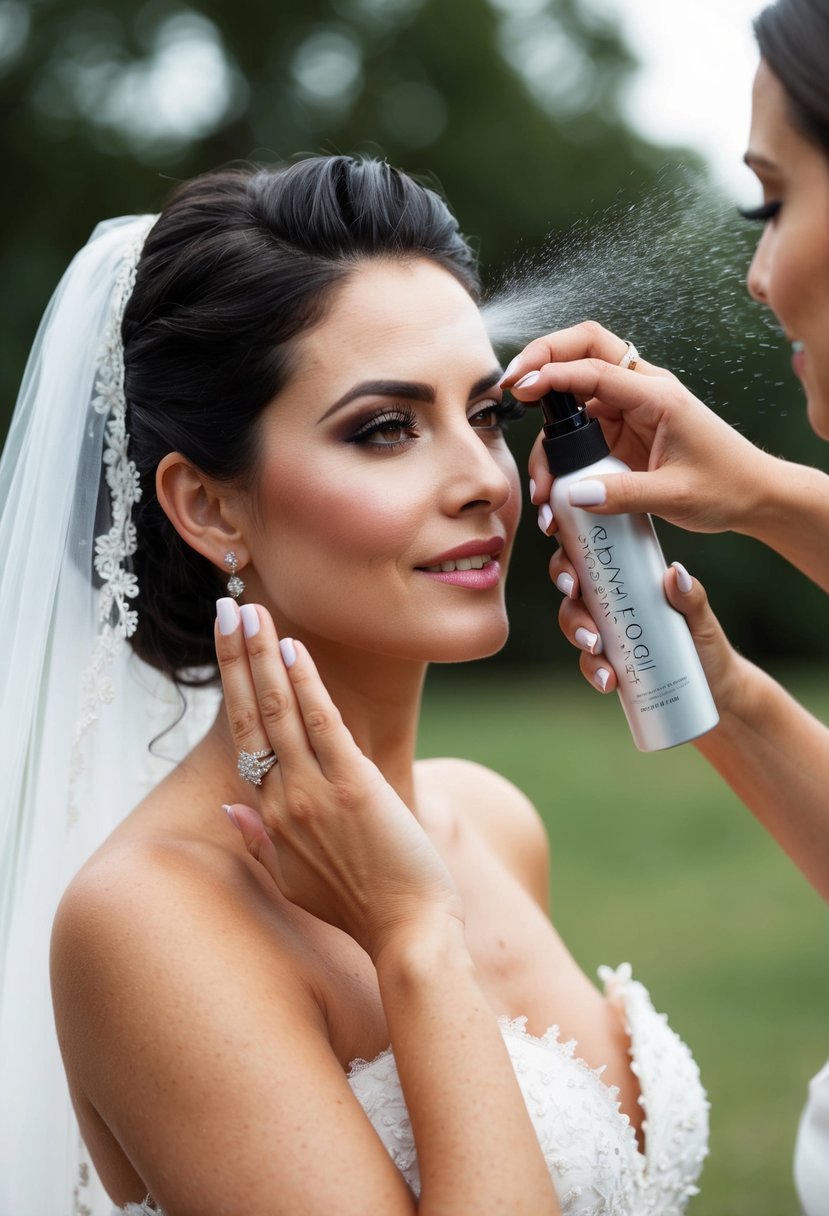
point(386, 498)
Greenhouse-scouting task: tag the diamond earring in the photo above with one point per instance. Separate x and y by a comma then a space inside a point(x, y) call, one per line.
point(235, 585)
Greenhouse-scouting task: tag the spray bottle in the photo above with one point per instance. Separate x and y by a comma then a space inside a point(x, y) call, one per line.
point(661, 683)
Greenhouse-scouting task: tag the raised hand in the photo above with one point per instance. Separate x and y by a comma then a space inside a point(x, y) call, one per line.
point(326, 825)
point(689, 466)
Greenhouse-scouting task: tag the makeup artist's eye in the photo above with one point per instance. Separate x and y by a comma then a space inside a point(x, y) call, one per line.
point(496, 415)
point(763, 214)
point(388, 429)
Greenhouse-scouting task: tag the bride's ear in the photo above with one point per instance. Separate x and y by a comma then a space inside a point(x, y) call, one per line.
point(205, 513)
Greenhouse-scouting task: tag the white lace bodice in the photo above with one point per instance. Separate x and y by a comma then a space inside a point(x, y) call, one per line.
point(588, 1144)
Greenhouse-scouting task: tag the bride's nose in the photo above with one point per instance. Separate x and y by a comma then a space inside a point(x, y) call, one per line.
point(471, 475)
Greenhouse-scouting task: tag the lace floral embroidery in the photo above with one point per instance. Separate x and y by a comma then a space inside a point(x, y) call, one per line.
point(117, 621)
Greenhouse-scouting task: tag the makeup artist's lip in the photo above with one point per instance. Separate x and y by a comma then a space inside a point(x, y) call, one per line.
point(798, 358)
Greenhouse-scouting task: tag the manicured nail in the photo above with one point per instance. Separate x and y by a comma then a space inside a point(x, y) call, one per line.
point(527, 380)
point(601, 677)
point(510, 368)
point(545, 516)
point(589, 641)
point(250, 619)
point(683, 578)
point(288, 651)
point(228, 810)
point(565, 583)
point(532, 488)
point(227, 614)
point(588, 493)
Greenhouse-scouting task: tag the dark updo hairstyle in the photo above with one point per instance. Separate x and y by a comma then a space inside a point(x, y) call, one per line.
point(240, 264)
point(793, 36)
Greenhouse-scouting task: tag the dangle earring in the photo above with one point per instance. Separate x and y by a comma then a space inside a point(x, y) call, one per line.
point(235, 585)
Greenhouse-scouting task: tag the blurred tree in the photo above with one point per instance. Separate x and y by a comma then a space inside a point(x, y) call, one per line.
point(512, 107)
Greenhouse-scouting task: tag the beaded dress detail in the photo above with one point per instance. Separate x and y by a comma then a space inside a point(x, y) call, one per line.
point(589, 1145)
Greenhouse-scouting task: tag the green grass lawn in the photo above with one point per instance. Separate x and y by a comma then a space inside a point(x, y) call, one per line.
point(656, 862)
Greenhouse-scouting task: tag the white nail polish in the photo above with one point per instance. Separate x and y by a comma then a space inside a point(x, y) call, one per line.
point(510, 368)
point(288, 651)
point(527, 380)
point(545, 517)
point(565, 583)
point(683, 578)
point(227, 614)
point(601, 677)
point(532, 489)
point(588, 493)
point(250, 619)
point(589, 641)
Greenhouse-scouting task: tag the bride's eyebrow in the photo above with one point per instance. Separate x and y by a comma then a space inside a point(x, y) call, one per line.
point(410, 390)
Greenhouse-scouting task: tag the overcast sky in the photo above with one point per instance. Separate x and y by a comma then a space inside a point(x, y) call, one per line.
point(698, 59)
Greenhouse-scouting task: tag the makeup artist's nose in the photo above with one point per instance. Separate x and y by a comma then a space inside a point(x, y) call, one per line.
point(758, 271)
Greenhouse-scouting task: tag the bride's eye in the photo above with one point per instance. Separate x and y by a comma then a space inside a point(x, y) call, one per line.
point(496, 415)
point(389, 429)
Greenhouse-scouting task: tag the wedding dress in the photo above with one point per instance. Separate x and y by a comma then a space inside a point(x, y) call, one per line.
point(590, 1147)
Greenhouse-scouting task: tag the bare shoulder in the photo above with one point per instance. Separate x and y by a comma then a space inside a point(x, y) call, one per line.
point(500, 812)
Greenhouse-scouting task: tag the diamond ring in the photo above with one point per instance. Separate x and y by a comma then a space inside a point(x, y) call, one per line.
point(252, 766)
point(630, 358)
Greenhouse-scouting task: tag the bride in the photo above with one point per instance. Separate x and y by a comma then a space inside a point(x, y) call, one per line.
point(341, 992)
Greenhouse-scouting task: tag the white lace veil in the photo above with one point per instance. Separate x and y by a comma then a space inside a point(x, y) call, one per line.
point(78, 711)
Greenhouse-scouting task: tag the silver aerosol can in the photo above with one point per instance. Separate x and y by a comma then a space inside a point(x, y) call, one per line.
point(620, 566)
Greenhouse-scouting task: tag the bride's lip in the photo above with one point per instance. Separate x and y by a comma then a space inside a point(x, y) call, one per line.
point(472, 548)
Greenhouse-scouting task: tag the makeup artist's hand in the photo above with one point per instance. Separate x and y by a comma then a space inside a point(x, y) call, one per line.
point(725, 670)
point(689, 466)
point(326, 825)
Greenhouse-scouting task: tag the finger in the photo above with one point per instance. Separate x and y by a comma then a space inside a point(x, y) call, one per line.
point(258, 843)
point(609, 388)
point(541, 479)
point(563, 574)
point(277, 704)
point(598, 672)
point(578, 626)
point(588, 340)
point(327, 734)
point(241, 702)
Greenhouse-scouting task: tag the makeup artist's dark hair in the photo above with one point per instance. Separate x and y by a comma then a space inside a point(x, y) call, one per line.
point(239, 265)
point(793, 36)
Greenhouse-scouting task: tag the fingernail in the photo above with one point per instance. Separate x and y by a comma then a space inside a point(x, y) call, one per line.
point(227, 614)
point(250, 619)
point(565, 583)
point(683, 578)
point(228, 810)
point(510, 368)
point(532, 488)
point(588, 493)
point(601, 677)
point(288, 651)
point(527, 380)
point(589, 641)
point(545, 516)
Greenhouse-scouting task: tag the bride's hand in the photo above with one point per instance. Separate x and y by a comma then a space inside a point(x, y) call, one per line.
point(689, 465)
point(326, 825)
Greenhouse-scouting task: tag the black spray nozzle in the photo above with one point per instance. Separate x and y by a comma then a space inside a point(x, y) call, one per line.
point(572, 439)
point(562, 414)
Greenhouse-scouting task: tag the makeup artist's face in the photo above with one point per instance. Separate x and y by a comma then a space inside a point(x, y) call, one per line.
point(387, 497)
point(790, 269)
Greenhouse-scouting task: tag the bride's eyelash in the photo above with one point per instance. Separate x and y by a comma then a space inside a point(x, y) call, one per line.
point(762, 214)
point(400, 417)
point(509, 410)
